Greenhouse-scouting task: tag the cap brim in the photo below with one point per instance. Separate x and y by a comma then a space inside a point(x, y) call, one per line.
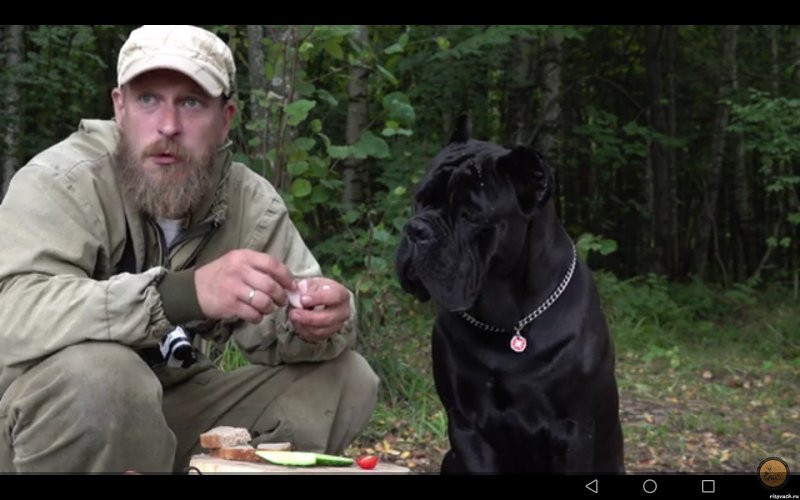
point(188, 67)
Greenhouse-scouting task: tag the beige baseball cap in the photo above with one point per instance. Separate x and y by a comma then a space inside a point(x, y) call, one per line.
point(195, 52)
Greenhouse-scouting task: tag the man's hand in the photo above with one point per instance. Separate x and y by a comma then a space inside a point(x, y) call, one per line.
point(242, 283)
point(313, 323)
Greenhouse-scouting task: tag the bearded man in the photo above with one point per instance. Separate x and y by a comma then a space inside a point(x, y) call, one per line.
point(130, 238)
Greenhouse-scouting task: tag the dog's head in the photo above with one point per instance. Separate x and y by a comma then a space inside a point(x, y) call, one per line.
point(473, 208)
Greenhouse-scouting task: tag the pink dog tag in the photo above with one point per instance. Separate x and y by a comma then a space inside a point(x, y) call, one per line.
point(518, 343)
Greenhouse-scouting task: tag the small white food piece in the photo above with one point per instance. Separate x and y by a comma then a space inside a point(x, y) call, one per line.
point(282, 446)
point(294, 297)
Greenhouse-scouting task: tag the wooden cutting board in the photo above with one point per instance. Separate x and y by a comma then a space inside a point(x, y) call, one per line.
point(207, 464)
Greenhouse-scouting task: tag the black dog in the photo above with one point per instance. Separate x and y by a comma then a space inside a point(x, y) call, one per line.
point(522, 358)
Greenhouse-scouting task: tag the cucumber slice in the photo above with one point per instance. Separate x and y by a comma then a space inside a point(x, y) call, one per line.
point(302, 458)
point(323, 459)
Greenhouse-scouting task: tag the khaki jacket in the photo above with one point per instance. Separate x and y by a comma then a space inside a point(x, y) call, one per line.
point(62, 236)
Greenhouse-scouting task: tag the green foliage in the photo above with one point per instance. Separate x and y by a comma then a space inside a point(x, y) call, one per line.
point(59, 83)
point(369, 145)
point(651, 310)
point(770, 125)
point(297, 111)
point(588, 242)
point(493, 37)
point(615, 145)
point(228, 357)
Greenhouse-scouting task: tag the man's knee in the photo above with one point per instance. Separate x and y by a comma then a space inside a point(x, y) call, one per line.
point(94, 400)
point(361, 382)
point(100, 379)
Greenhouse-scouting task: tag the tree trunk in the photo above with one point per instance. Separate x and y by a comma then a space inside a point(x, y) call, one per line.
point(672, 152)
point(357, 119)
point(721, 117)
point(746, 230)
point(775, 75)
point(663, 240)
point(286, 67)
point(13, 44)
point(550, 105)
point(259, 110)
point(518, 119)
point(796, 62)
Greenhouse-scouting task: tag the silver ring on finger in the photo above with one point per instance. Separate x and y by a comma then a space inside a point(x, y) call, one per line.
point(251, 295)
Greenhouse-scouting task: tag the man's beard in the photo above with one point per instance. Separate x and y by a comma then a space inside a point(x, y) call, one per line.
point(174, 190)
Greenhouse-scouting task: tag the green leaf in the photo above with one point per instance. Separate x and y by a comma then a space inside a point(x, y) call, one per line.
point(370, 144)
point(607, 247)
point(393, 49)
point(381, 235)
point(300, 188)
point(399, 222)
point(339, 152)
point(334, 48)
point(304, 143)
point(306, 89)
point(398, 47)
point(327, 97)
point(296, 168)
point(377, 263)
point(320, 195)
point(387, 74)
point(364, 285)
point(318, 167)
point(399, 191)
point(325, 140)
point(316, 125)
point(304, 30)
point(298, 111)
point(351, 216)
point(793, 218)
point(399, 107)
point(442, 42)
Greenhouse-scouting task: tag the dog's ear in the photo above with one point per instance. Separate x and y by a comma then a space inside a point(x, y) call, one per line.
point(531, 176)
point(462, 132)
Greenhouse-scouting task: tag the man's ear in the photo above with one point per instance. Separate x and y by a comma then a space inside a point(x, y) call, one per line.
point(462, 132)
point(530, 175)
point(228, 111)
point(117, 98)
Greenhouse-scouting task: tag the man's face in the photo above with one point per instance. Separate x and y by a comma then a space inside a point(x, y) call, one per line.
point(170, 131)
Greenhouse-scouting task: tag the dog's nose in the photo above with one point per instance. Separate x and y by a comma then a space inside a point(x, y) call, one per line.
point(418, 231)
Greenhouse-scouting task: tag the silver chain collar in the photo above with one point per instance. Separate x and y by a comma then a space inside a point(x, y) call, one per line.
point(536, 312)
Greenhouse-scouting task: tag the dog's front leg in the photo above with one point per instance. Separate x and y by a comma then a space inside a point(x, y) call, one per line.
point(470, 453)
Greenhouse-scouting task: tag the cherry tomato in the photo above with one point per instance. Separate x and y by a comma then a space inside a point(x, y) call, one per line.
point(367, 461)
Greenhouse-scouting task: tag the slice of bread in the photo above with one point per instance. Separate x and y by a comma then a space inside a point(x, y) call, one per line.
point(224, 437)
point(242, 453)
